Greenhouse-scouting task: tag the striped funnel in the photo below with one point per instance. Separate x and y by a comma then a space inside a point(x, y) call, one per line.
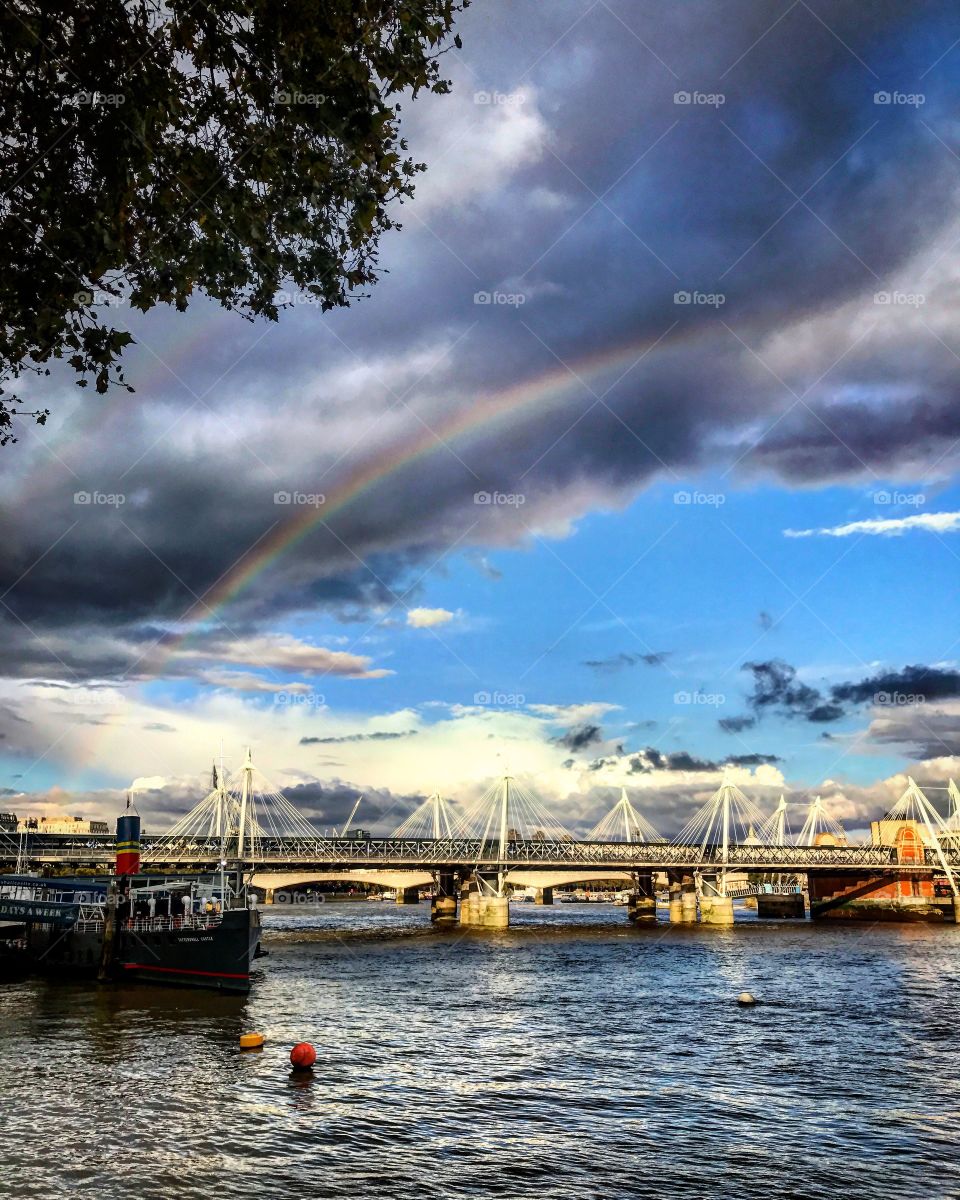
point(128, 844)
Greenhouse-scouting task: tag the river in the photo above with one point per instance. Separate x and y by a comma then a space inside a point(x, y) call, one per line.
point(568, 1057)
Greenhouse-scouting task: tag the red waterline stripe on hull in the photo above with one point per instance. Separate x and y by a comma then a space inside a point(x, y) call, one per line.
point(182, 971)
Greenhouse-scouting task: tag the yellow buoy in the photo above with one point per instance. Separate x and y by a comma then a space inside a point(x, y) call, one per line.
point(251, 1041)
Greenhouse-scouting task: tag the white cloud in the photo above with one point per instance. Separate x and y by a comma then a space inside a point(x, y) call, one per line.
point(283, 652)
point(473, 144)
point(946, 522)
point(573, 714)
point(428, 618)
point(246, 681)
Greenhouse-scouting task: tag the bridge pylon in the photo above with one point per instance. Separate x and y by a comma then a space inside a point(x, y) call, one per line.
point(506, 814)
point(820, 829)
point(725, 821)
point(623, 823)
point(435, 818)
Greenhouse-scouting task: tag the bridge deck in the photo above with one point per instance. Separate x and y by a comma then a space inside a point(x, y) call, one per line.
point(436, 853)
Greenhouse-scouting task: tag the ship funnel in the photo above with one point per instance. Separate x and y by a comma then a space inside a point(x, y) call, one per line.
point(128, 844)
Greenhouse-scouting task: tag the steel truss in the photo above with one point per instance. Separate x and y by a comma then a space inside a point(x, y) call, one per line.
point(205, 853)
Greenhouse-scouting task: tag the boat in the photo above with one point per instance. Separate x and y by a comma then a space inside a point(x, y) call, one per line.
point(193, 931)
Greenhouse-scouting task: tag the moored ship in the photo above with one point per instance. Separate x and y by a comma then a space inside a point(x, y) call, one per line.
point(198, 931)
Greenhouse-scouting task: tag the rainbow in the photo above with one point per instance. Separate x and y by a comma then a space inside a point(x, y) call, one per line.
point(553, 387)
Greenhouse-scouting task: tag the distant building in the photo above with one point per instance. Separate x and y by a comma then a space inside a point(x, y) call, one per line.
point(8, 822)
point(61, 824)
point(891, 833)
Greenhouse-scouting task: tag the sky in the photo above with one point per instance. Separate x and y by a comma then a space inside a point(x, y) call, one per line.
point(636, 469)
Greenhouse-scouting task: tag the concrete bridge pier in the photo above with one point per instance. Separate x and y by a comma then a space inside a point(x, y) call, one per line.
point(688, 898)
point(482, 908)
point(443, 906)
point(676, 898)
point(544, 895)
point(714, 908)
point(642, 905)
point(407, 895)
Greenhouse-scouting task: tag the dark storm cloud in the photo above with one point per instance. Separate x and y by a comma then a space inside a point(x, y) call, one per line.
point(920, 683)
point(653, 760)
point(775, 687)
point(650, 759)
point(580, 737)
point(617, 662)
point(846, 438)
point(330, 803)
point(736, 724)
point(753, 760)
point(776, 690)
point(200, 454)
point(378, 735)
point(918, 732)
point(821, 714)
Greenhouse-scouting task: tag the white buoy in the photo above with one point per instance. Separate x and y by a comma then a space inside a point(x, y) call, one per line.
point(746, 998)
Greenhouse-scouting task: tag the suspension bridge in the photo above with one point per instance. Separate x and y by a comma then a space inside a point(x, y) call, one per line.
point(473, 858)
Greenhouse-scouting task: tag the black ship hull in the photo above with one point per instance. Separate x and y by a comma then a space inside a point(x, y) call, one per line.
point(219, 957)
point(216, 954)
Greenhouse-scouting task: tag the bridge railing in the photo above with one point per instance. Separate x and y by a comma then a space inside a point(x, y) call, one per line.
point(443, 851)
point(192, 854)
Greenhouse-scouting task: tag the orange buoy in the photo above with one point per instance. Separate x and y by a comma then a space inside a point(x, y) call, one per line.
point(303, 1055)
point(251, 1041)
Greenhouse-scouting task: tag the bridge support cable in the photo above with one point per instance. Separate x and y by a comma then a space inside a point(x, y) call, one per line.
point(953, 820)
point(240, 813)
point(623, 823)
point(819, 823)
point(914, 806)
point(504, 815)
point(775, 831)
point(434, 818)
point(726, 820)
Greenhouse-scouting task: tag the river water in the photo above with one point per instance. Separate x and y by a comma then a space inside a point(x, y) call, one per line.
point(569, 1057)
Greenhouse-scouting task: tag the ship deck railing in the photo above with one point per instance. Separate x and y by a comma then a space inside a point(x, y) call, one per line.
point(91, 918)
